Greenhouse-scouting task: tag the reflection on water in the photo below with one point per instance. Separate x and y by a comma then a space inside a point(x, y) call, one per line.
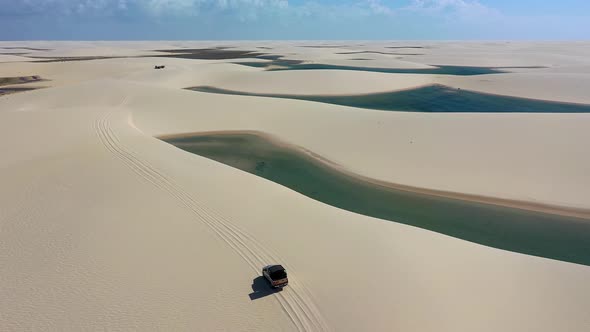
point(540, 234)
point(434, 98)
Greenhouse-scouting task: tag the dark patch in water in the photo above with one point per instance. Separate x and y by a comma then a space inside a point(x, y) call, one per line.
point(533, 233)
point(434, 99)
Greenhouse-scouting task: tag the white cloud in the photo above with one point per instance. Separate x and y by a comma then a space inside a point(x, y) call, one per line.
point(463, 8)
point(377, 7)
point(327, 14)
point(176, 7)
point(340, 11)
point(243, 9)
point(68, 7)
point(135, 7)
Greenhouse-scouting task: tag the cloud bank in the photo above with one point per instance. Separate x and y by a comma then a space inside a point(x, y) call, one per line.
point(135, 7)
point(285, 19)
point(160, 8)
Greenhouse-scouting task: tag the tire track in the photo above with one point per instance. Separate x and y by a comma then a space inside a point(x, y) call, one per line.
point(296, 301)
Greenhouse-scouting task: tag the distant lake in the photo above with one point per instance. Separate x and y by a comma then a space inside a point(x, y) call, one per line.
point(534, 233)
point(433, 98)
point(280, 64)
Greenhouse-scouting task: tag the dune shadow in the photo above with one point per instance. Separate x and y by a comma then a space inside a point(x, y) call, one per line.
point(261, 288)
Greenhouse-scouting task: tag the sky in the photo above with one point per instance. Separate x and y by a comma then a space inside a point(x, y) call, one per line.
point(294, 20)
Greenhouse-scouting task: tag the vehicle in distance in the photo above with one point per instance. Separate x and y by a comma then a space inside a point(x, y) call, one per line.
point(276, 275)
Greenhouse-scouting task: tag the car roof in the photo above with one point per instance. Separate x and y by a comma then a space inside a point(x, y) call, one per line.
point(275, 268)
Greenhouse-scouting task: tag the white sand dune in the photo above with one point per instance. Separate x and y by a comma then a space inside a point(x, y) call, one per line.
point(103, 226)
point(325, 82)
point(566, 87)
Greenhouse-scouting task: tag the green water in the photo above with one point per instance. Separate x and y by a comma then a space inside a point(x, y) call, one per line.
point(539, 234)
point(434, 98)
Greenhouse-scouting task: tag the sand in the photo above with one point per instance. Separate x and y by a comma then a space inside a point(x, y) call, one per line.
point(103, 226)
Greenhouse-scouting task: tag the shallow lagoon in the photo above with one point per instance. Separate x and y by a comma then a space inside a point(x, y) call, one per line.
point(282, 64)
point(434, 98)
point(534, 233)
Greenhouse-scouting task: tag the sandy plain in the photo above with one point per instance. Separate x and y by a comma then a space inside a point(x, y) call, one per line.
point(104, 226)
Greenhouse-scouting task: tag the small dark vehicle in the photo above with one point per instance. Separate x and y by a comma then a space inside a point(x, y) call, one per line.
point(276, 275)
point(159, 67)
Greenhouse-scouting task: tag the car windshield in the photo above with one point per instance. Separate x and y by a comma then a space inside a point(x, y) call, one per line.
point(278, 275)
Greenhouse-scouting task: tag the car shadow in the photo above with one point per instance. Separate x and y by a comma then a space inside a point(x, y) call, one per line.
point(262, 288)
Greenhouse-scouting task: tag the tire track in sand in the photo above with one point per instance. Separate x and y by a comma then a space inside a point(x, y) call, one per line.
point(296, 301)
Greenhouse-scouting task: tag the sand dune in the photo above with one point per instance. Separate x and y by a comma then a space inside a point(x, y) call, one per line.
point(104, 226)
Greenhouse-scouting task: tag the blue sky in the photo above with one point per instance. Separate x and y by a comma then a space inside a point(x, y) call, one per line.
point(294, 19)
